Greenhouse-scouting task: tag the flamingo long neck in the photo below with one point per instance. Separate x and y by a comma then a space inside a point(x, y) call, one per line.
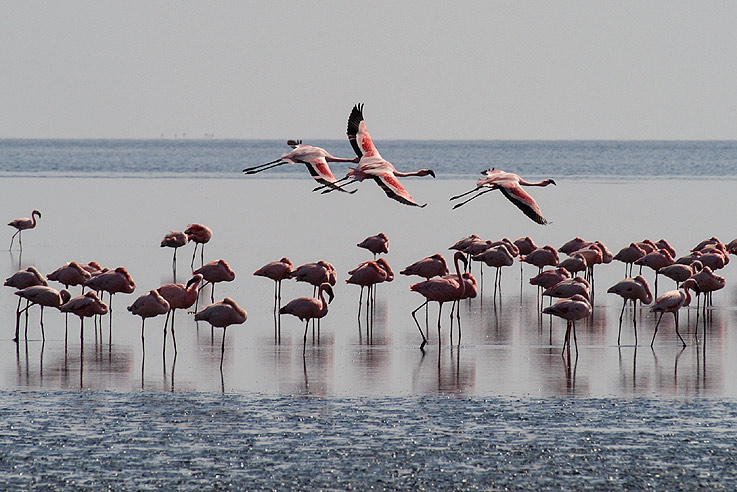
point(33, 218)
point(421, 172)
point(324, 308)
point(544, 182)
point(461, 282)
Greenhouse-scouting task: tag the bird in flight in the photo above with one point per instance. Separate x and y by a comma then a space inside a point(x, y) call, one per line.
point(510, 185)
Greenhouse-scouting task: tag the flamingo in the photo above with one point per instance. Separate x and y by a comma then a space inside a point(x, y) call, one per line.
point(315, 274)
point(470, 291)
point(368, 274)
point(376, 244)
point(633, 289)
point(570, 309)
point(670, 302)
point(222, 314)
point(44, 296)
point(573, 245)
point(629, 255)
point(21, 225)
point(276, 271)
point(314, 158)
point(21, 280)
point(574, 264)
point(440, 290)
point(431, 266)
point(680, 272)
point(149, 306)
point(214, 272)
point(549, 278)
point(309, 308)
point(525, 245)
point(199, 235)
point(372, 165)
point(85, 306)
point(175, 239)
point(112, 282)
point(497, 256)
point(542, 257)
point(510, 185)
point(179, 297)
point(70, 274)
point(656, 260)
point(707, 282)
point(569, 288)
point(731, 247)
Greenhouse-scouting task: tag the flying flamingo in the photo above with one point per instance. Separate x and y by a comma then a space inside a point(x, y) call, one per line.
point(199, 235)
point(276, 271)
point(511, 187)
point(176, 240)
point(214, 272)
point(21, 280)
point(23, 224)
point(222, 314)
point(179, 297)
point(314, 158)
point(149, 306)
point(570, 309)
point(440, 290)
point(44, 296)
point(371, 165)
point(633, 289)
point(376, 244)
point(309, 308)
point(84, 306)
point(670, 302)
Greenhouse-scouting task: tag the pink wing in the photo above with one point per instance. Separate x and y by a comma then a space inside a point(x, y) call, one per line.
point(394, 189)
point(358, 134)
point(523, 201)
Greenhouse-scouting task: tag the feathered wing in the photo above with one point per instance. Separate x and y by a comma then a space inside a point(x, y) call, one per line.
point(523, 201)
point(394, 189)
point(358, 134)
point(320, 171)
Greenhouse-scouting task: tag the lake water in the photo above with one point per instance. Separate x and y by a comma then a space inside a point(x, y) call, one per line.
point(363, 407)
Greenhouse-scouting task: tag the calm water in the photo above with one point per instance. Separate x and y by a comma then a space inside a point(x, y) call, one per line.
point(502, 411)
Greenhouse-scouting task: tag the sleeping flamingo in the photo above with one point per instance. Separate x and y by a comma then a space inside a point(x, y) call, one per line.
point(44, 296)
point(277, 271)
point(174, 239)
point(179, 297)
point(308, 308)
point(570, 309)
point(670, 302)
point(20, 280)
point(21, 225)
point(511, 187)
point(377, 244)
point(372, 166)
point(149, 306)
point(633, 289)
point(222, 314)
point(199, 235)
point(314, 158)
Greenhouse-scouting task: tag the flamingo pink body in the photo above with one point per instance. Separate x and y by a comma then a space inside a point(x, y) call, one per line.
point(22, 224)
point(85, 306)
point(432, 266)
point(542, 257)
point(570, 309)
point(574, 264)
point(70, 274)
point(180, 296)
point(573, 245)
point(525, 245)
point(112, 282)
point(198, 233)
point(367, 274)
point(175, 239)
point(315, 273)
point(44, 295)
point(656, 259)
point(149, 305)
point(25, 278)
point(634, 289)
point(549, 278)
point(569, 287)
point(465, 242)
point(376, 244)
point(216, 271)
point(222, 314)
point(276, 270)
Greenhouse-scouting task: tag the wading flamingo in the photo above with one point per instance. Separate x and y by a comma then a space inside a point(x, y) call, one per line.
point(368, 274)
point(376, 244)
point(71, 274)
point(670, 302)
point(570, 309)
point(84, 306)
point(633, 289)
point(276, 271)
point(629, 255)
point(315, 274)
point(21, 280)
point(314, 158)
point(222, 314)
point(23, 224)
point(175, 239)
point(511, 187)
point(214, 272)
point(542, 257)
point(371, 165)
point(179, 297)
point(309, 308)
point(427, 268)
point(199, 235)
point(44, 296)
point(112, 282)
point(149, 306)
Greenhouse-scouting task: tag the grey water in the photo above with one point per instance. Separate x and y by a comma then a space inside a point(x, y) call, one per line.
point(508, 414)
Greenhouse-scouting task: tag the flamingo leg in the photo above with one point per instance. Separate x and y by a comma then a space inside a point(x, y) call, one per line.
point(675, 316)
point(12, 239)
point(143, 340)
point(222, 349)
point(440, 310)
point(194, 253)
point(462, 194)
point(264, 167)
point(43, 333)
point(17, 319)
point(344, 178)
point(424, 339)
point(656, 329)
point(474, 196)
point(304, 338)
point(620, 322)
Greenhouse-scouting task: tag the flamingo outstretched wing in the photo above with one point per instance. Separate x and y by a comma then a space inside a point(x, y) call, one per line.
point(394, 189)
point(358, 134)
point(523, 201)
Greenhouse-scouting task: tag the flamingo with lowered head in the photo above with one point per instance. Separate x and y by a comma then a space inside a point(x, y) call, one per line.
point(377, 244)
point(308, 308)
point(570, 309)
point(44, 296)
point(84, 306)
point(199, 235)
point(633, 289)
point(670, 302)
point(179, 297)
point(510, 185)
point(174, 239)
point(22, 224)
point(222, 314)
point(149, 306)
point(277, 271)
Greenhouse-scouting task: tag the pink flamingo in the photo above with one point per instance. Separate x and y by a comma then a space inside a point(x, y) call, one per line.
point(276, 271)
point(376, 244)
point(21, 280)
point(149, 306)
point(680, 272)
point(222, 314)
point(633, 289)
point(570, 309)
point(732, 247)
point(21, 225)
point(44, 296)
point(179, 297)
point(573, 245)
point(656, 260)
point(315, 274)
point(707, 282)
point(309, 308)
point(496, 257)
point(664, 244)
point(549, 278)
point(214, 272)
point(112, 282)
point(470, 291)
point(574, 264)
point(440, 290)
point(629, 255)
point(371, 165)
point(176, 240)
point(368, 274)
point(465, 242)
point(670, 302)
point(569, 288)
point(525, 245)
point(511, 187)
point(314, 158)
point(70, 274)
point(85, 306)
point(542, 257)
point(199, 235)
point(431, 266)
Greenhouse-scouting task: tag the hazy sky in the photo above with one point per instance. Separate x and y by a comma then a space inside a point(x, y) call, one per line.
point(425, 70)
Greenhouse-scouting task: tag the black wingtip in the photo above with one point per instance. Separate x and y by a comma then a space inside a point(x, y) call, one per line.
point(294, 143)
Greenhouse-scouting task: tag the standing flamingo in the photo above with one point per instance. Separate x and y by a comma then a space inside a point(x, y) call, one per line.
point(633, 289)
point(199, 235)
point(656, 260)
point(149, 306)
point(179, 297)
point(214, 272)
point(570, 309)
point(440, 290)
point(376, 244)
point(112, 282)
point(84, 306)
point(44, 296)
point(308, 308)
point(542, 257)
point(629, 255)
point(670, 302)
point(368, 274)
point(497, 256)
point(276, 271)
point(176, 240)
point(21, 280)
point(431, 266)
point(70, 274)
point(315, 274)
point(314, 158)
point(511, 187)
point(372, 165)
point(222, 314)
point(21, 225)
